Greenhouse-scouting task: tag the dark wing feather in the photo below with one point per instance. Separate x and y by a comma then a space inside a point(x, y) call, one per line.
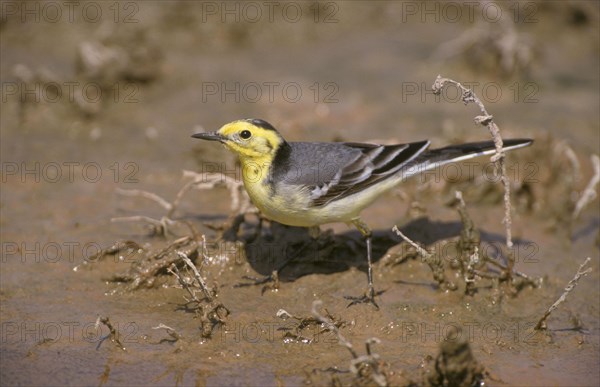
point(375, 163)
point(454, 153)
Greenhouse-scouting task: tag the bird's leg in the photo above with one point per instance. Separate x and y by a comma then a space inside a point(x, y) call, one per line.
point(369, 296)
point(314, 233)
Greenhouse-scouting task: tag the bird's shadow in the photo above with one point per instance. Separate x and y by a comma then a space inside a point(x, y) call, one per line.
point(332, 253)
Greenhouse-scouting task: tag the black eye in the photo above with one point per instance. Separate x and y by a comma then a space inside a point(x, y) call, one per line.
point(245, 134)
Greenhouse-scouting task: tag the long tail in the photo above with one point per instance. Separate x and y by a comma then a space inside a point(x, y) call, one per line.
point(437, 157)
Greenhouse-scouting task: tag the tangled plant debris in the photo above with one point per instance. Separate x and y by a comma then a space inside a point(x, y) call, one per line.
point(366, 369)
point(472, 262)
point(300, 324)
point(240, 202)
point(113, 333)
point(212, 313)
point(589, 193)
point(435, 262)
point(570, 286)
point(177, 259)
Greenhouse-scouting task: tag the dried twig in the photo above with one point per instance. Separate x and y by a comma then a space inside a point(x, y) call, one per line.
point(362, 366)
point(332, 327)
point(435, 263)
point(499, 158)
point(197, 275)
point(212, 313)
point(468, 245)
point(146, 271)
point(114, 335)
point(572, 158)
point(161, 226)
point(240, 202)
point(570, 286)
point(185, 283)
point(147, 195)
point(301, 323)
point(589, 193)
point(170, 331)
point(471, 261)
point(115, 249)
point(471, 258)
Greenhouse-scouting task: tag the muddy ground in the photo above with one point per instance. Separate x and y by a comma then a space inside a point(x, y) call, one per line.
point(99, 97)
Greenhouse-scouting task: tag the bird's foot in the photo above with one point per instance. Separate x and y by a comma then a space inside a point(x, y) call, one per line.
point(367, 298)
point(270, 282)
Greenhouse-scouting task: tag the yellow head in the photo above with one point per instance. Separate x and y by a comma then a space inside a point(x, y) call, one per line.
point(252, 139)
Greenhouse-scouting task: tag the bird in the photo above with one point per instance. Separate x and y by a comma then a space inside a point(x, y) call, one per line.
point(309, 184)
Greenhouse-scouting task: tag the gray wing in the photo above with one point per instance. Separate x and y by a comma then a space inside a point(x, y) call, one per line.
point(313, 164)
point(373, 163)
point(331, 171)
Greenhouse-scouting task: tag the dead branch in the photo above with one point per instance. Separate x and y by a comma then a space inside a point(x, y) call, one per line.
point(434, 262)
point(170, 331)
point(589, 193)
point(145, 272)
point(362, 366)
point(240, 202)
point(468, 244)
point(114, 335)
point(570, 286)
point(486, 119)
point(147, 195)
point(197, 275)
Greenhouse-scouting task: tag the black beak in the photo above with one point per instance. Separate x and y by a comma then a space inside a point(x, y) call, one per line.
point(210, 136)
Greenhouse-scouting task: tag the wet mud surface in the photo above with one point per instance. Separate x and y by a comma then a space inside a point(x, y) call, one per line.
point(363, 76)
